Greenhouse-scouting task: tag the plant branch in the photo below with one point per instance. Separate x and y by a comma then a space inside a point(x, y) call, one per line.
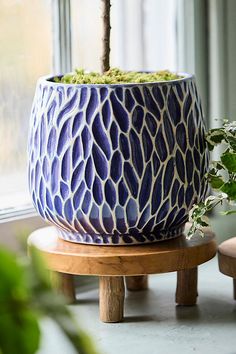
point(105, 59)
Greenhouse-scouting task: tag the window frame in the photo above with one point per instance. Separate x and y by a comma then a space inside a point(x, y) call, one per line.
point(62, 59)
point(192, 44)
point(61, 26)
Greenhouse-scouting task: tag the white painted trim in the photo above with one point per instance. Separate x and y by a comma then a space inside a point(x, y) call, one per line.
point(217, 61)
point(192, 47)
point(62, 36)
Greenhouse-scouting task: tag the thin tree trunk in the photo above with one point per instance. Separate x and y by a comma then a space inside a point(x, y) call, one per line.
point(105, 59)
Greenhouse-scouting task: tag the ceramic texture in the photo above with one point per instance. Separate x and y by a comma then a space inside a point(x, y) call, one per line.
point(117, 164)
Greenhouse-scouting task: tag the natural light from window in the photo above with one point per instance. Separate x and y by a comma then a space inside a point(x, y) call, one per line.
point(142, 39)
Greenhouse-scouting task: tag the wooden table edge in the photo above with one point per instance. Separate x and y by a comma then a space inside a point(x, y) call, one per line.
point(224, 261)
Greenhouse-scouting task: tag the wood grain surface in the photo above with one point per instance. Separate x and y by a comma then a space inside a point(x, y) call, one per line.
point(227, 265)
point(227, 257)
point(111, 299)
point(227, 260)
point(160, 257)
point(186, 290)
point(136, 283)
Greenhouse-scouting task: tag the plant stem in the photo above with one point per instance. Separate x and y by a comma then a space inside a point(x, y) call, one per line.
point(105, 59)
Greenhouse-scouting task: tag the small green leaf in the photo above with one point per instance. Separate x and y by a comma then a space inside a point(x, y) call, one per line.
point(210, 146)
point(228, 212)
point(213, 200)
point(215, 181)
point(217, 165)
point(230, 189)
point(203, 223)
point(214, 178)
point(232, 142)
point(215, 136)
point(229, 161)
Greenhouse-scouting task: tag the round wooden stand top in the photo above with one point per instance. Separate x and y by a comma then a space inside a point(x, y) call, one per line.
point(161, 257)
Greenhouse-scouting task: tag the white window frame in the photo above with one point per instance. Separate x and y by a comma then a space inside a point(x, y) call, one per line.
point(25, 219)
point(192, 38)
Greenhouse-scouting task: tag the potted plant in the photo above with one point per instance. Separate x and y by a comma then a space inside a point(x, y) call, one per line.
point(117, 158)
point(221, 175)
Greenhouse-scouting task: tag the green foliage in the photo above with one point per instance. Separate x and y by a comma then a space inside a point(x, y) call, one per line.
point(115, 76)
point(19, 330)
point(26, 296)
point(199, 211)
point(221, 176)
point(215, 179)
point(228, 160)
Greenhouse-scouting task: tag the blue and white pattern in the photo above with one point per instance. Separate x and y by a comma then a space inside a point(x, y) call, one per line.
point(117, 164)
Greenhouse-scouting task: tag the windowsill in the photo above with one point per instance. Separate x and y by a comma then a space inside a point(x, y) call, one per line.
point(14, 195)
point(16, 225)
point(17, 212)
point(153, 321)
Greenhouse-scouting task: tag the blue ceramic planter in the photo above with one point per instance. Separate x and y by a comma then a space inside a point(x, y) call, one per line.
point(117, 164)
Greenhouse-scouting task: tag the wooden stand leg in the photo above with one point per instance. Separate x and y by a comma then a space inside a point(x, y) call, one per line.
point(111, 298)
point(234, 287)
point(186, 291)
point(64, 283)
point(136, 283)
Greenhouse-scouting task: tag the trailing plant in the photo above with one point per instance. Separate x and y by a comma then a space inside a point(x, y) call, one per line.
point(221, 175)
point(25, 297)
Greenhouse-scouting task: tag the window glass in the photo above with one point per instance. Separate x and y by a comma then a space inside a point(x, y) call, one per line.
point(25, 54)
point(86, 34)
point(160, 36)
point(142, 38)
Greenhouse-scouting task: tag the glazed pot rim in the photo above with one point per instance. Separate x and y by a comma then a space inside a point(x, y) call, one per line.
point(47, 79)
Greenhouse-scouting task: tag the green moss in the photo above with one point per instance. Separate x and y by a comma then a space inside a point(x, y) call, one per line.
point(115, 76)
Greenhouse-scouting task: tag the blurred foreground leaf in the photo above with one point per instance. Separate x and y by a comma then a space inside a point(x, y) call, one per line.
point(25, 296)
point(19, 329)
point(52, 304)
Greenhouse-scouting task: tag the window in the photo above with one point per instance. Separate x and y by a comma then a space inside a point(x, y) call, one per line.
point(26, 54)
point(42, 37)
point(39, 37)
point(141, 37)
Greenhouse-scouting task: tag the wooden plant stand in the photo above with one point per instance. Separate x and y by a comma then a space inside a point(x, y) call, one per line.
point(132, 263)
